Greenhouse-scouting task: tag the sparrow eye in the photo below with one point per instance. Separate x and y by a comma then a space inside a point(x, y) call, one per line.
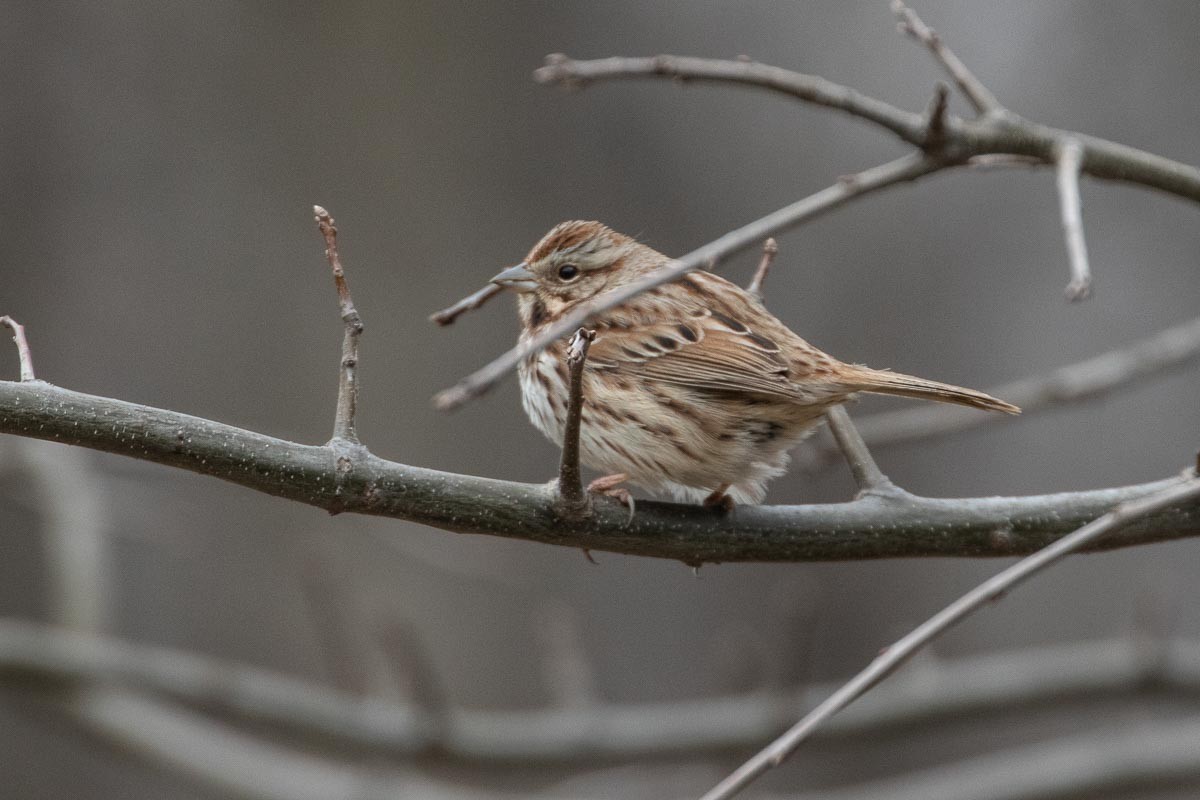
point(568, 272)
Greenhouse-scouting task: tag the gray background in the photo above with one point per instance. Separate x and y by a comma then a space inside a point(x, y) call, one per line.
point(159, 161)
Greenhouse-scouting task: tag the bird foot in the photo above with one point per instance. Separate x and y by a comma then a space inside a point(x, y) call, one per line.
point(718, 500)
point(609, 485)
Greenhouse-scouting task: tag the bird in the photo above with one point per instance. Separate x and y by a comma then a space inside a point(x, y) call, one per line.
point(692, 388)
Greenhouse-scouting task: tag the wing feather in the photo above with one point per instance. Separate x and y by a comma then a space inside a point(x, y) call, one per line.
point(708, 351)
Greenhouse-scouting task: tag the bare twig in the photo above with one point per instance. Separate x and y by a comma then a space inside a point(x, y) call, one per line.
point(347, 402)
point(990, 590)
point(570, 485)
point(1075, 383)
point(982, 100)
point(904, 169)
point(770, 250)
point(469, 303)
point(867, 474)
point(999, 134)
point(809, 88)
point(18, 335)
point(1070, 156)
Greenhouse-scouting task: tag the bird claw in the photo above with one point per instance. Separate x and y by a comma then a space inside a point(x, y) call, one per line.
point(609, 486)
point(719, 501)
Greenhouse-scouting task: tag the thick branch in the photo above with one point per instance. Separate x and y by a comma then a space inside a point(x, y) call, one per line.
point(364, 483)
point(990, 590)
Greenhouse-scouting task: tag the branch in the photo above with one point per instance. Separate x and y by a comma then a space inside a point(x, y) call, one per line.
point(1070, 153)
point(1003, 134)
point(469, 303)
point(361, 482)
point(990, 590)
point(347, 402)
point(981, 99)
point(926, 694)
point(1087, 764)
point(904, 169)
point(18, 335)
point(570, 485)
point(1074, 383)
point(867, 474)
point(770, 250)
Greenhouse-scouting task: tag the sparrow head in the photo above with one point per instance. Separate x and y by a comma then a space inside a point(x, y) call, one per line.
point(572, 263)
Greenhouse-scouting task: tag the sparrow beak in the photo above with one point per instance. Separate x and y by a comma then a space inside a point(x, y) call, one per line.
point(518, 277)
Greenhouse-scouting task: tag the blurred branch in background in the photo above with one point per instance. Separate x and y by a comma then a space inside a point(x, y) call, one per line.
point(47, 658)
point(1125, 367)
point(895, 655)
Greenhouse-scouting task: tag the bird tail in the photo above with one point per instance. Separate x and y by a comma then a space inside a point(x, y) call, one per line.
point(864, 379)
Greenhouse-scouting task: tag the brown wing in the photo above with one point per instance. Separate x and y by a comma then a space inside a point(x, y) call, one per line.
point(707, 350)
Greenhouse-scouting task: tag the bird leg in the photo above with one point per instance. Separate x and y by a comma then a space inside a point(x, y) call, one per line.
point(609, 485)
point(718, 500)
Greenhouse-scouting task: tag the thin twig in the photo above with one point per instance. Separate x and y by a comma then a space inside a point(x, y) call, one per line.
point(1070, 159)
point(936, 119)
point(867, 474)
point(347, 402)
point(990, 590)
point(982, 100)
point(469, 303)
point(1074, 383)
point(770, 250)
point(570, 485)
point(26, 360)
point(904, 169)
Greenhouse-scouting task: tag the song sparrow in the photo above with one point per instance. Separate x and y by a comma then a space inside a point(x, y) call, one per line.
point(692, 387)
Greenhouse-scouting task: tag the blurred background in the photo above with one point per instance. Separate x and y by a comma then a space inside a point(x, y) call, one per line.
point(160, 160)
